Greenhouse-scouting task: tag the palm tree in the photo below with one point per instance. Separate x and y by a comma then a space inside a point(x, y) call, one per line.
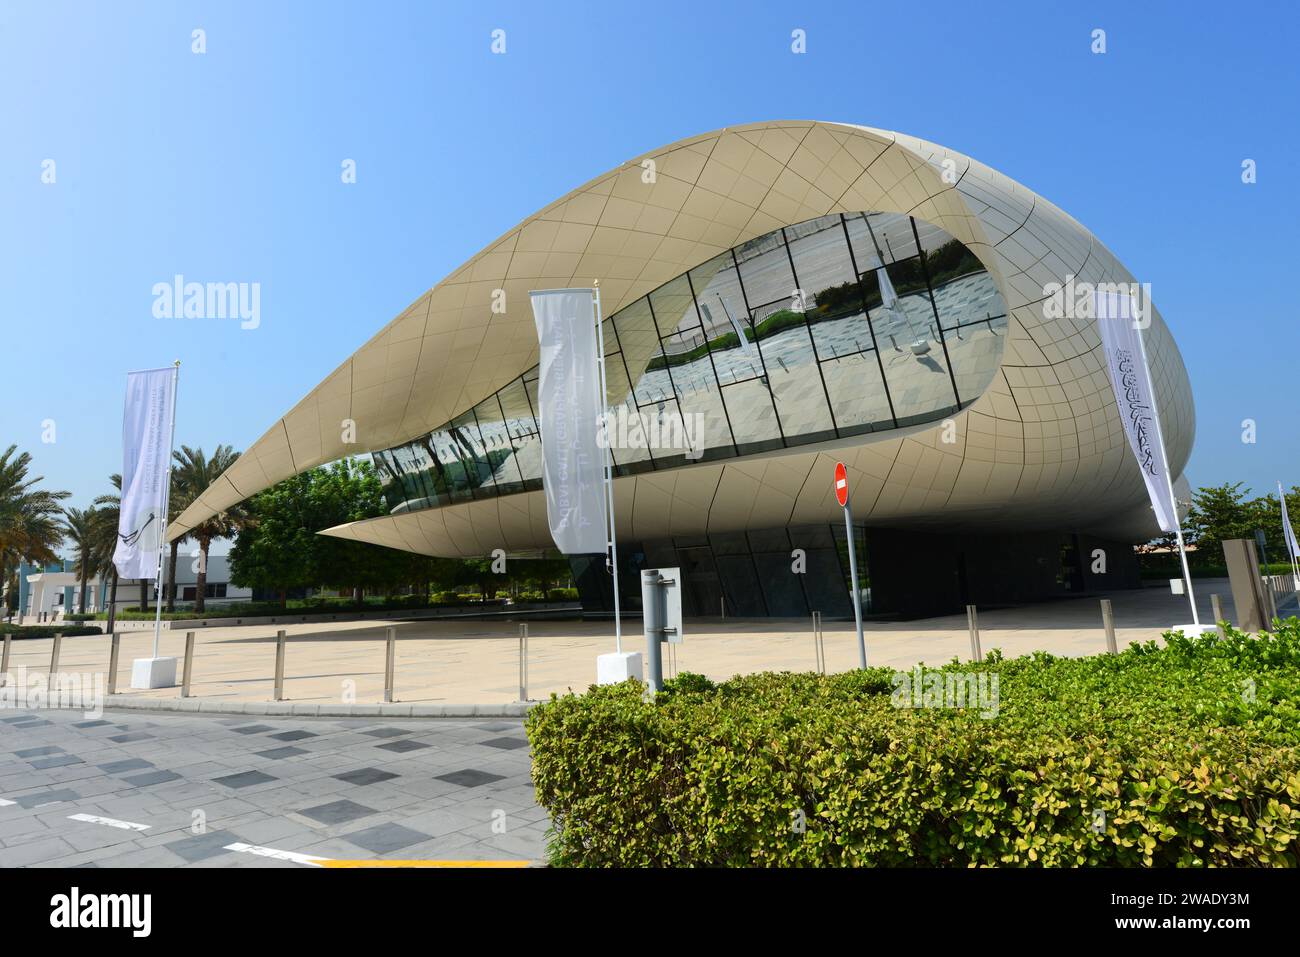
point(109, 510)
point(196, 472)
point(30, 526)
point(177, 501)
point(81, 528)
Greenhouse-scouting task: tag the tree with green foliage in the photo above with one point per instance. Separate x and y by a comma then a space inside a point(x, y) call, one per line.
point(1223, 512)
point(1217, 514)
point(279, 549)
point(81, 529)
point(30, 517)
point(108, 509)
point(193, 474)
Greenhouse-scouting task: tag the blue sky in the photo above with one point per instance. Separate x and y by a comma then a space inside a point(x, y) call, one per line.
point(226, 166)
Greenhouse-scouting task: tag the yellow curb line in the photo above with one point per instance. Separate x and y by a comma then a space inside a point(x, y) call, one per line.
point(374, 863)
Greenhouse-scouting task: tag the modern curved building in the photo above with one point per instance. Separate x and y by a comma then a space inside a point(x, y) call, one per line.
point(794, 293)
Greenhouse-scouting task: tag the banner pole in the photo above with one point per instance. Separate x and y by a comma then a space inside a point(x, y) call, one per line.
point(609, 458)
point(1288, 535)
point(166, 494)
point(1169, 479)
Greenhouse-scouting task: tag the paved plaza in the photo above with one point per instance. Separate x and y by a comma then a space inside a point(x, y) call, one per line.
point(120, 791)
point(129, 788)
point(469, 662)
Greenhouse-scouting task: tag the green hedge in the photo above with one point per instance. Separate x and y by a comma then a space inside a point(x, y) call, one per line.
point(330, 606)
point(1161, 572)
point(47, 631)
point(1191, 751)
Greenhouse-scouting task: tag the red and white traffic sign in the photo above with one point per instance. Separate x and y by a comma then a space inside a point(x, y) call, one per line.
point(841, 484)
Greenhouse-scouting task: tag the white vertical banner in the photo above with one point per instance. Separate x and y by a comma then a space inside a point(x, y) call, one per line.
point(146, 468)
point(570, 406)
point(1288, 532)
point(1131, 381)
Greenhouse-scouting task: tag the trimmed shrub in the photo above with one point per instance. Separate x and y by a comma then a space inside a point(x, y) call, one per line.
point(1186, 754)
point(47, 631)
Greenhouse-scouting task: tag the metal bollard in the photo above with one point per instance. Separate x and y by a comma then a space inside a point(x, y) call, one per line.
point(523, 662)
point(4, 661)
point(390, 662)
point(54, 654)
point(279, 666)
point(188, 671)
point(819, 648)
point(972, 620)
point(1216, 609)
point(1108, 622)
point(114, 648)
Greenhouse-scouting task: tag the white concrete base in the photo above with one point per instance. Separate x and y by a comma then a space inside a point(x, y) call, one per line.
point(153, 673)
point(1192, 631)
point(617, 667)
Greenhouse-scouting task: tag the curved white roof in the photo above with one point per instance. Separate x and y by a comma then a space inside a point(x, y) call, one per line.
point(1043, 447)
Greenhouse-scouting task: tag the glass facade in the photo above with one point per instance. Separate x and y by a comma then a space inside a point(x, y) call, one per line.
point(843, 325)
point(773, 572)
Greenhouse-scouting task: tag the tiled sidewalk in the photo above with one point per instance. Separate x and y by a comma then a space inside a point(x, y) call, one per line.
point(119, 791)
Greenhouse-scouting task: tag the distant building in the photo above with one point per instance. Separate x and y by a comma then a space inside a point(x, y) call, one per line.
point(55, 589)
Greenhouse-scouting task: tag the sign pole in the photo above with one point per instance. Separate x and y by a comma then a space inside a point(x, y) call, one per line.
point(609, 471)
point(842, 496)
point(165, 496)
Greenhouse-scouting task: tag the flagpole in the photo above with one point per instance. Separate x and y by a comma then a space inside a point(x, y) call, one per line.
point(1169, 480)
point(1288, 536)
point(609, 471)
point(165, 496)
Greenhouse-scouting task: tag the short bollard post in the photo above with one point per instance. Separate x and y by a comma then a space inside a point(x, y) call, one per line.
point(189, 664)
point(523, 662)
point(54, 654)
point(819, 650)
point(390, 661)
point(4, 660)
point(1108, 622)
point(972, 620)
point(1216, 609)
point(279, 666)
point(114, 648)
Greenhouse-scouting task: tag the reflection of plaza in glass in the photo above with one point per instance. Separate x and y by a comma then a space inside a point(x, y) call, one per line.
point(827, 352)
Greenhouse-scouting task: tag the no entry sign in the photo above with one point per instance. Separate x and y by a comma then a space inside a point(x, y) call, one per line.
point(842, 496)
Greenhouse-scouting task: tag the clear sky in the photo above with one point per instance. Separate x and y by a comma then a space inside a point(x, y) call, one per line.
point(225, 166)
